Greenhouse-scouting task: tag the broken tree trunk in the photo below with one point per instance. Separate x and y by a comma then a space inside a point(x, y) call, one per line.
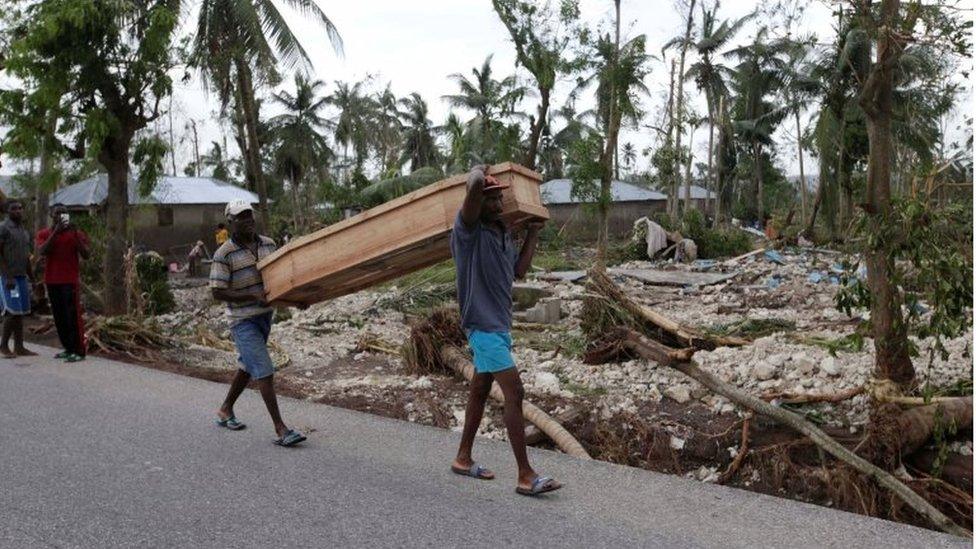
point(672, 331)
point(917, 425)
point(657, 352)
point(565, 441)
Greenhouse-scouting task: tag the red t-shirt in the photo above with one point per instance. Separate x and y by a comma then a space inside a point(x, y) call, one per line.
point(61, 261)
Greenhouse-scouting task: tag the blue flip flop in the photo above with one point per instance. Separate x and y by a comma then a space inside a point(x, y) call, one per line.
point(540, 485)
point(290, 438)
point(475, 471)
point(230, 423)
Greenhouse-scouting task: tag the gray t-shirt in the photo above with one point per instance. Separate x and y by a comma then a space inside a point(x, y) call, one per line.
point(485, 260)
point(15, 245)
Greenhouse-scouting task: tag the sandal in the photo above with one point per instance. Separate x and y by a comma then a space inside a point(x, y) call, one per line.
point(230, 423)
point(475, 471)
point(290, 438)
point(540, 485)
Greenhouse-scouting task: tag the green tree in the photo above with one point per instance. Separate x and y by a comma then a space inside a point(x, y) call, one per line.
point(493, 102)
point(387, 133)
point(419, 147)
point(756, 114)
point(893, 27)
point(299, 143)
point(541, 37)
point(238, 47)
point(102, 68)
point(352, 127)
point(618, 71)
point(711, 77)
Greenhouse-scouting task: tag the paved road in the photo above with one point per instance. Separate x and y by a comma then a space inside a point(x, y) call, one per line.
point(103, 454)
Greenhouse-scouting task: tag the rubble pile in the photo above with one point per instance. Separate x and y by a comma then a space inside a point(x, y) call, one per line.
point(795, 289)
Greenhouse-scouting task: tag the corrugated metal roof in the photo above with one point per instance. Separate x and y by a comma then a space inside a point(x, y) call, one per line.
point(697, 192)
point(559, 191)
point(168, 190)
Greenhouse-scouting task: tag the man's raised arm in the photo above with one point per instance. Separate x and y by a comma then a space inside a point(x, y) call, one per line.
point(471, 209)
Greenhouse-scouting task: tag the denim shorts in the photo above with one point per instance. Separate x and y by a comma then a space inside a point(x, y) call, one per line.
point(16, 300)
point(492, 351)
point(251, 338)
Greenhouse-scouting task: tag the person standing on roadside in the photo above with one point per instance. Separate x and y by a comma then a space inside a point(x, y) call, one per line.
point(235, 280)
point(15, 275)
point(62, 246)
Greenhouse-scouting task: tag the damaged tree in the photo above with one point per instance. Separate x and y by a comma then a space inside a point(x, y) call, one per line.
point(656, 352)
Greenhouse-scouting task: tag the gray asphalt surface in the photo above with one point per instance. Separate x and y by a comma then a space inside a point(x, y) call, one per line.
point(104, 454)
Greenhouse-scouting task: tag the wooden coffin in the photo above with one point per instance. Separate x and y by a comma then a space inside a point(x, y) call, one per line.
point(388, 241)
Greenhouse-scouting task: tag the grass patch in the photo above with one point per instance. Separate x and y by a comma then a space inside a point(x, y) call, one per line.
point(549, 341)
point(583, 390)
point(851, 343)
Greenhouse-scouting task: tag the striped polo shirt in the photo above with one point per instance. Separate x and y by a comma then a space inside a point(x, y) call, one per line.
point(235, 268)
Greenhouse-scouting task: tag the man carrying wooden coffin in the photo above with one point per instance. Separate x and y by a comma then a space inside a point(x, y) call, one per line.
point(234, 279)
point(487, 265)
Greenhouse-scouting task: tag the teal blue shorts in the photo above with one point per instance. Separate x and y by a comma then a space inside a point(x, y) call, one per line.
point(492, 351)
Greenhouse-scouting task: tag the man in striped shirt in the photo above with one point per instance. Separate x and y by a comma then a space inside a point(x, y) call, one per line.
point(235, 279)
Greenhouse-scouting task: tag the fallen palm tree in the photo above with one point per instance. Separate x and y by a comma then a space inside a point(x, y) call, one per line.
point(435, 346)
point(661, 354)
point(641, 317)
point(136, 337)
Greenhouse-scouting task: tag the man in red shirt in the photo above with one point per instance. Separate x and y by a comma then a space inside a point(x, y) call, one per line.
point(61, 246)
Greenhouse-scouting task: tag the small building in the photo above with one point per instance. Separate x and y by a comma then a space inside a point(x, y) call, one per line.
point(178, 212)
point(571, 216)
point(702, 199)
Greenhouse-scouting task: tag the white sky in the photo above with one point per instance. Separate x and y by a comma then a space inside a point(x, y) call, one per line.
point(416, 45)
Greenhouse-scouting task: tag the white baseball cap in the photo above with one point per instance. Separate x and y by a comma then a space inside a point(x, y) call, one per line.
point(237, 207)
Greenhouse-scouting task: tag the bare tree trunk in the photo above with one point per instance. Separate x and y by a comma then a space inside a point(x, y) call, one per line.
point(607, 157)
point(691, 157)
point(672, 187)
point(799, 155)
point(757, 166)
point(172, 143)
point(681, 98)
point(892, 359)
point(114, 156)
point(250, 110)
point(196, 149)
point(710, 183)
point(720, 163)
point(536, 132)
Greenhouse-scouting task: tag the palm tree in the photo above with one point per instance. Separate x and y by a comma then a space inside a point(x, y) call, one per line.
point(419, 147)
point(492, 101)
point(386, 135)
point(757, 77)
point(798, 89)
point(630, 156)
point(353, 124)
point(214, 160)
point(711, 76)
point(300, 146)
point(618, 70)
point(238, 46)
point(453, 129)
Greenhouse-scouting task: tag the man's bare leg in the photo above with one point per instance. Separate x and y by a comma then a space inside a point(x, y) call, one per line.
point(8, 328)
point(266, 386)
point(18, 333)
point(237, 386)
point(477, 398)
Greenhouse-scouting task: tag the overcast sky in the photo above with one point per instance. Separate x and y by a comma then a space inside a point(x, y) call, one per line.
point(416, 45)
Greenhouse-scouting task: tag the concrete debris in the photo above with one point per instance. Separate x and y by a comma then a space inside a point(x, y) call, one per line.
point(323, 345)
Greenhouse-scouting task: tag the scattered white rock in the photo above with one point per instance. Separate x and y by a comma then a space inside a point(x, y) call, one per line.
point(546, 382)
point(679, 394)
point(763, 371)
point(677, 443)
point(829, 366)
